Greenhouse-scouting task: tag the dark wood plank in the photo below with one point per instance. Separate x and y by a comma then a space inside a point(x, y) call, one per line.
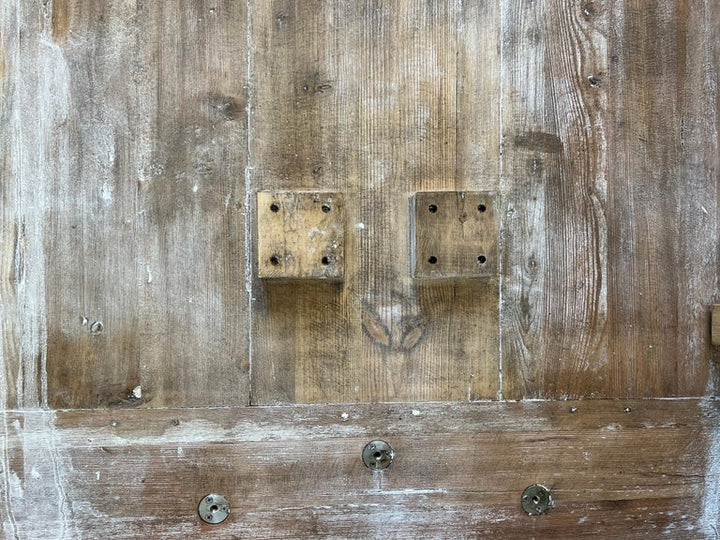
point(363, 98)
point(125, 259)
point(296, 472)
point(554, 180)
point(663, 196)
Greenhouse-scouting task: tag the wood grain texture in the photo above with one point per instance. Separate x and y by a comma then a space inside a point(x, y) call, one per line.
point(300, 235)
point(715, 324)
point(296, 472)
point(363, 98)
point(126, 160)
point(454, 235)
point(663, 200)
point(554, 181)
point(610, 177)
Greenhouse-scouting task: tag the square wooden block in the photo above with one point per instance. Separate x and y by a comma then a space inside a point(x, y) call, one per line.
point(454, 235)
point(715, 325)
point(301, 235)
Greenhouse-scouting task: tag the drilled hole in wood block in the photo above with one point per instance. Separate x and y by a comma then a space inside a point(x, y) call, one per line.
point(301, 235)
point(454, 235)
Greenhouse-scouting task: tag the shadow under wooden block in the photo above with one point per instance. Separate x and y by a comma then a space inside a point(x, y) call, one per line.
point(301, 235)
point(454, 234)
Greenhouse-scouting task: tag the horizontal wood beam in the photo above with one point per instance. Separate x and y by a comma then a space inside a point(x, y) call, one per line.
point(617, 469)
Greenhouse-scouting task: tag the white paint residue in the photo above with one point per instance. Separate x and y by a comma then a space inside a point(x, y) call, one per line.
point(710, 520)
point(149, 273)
point(106, 192)
point(398, 493)
point(15, 487)
point(416, 412)
point(195, 188)
point(137, 392)
point(344, 416)
point(180, 452)
point(360, 226)
point(97, 475)
point(45, 471)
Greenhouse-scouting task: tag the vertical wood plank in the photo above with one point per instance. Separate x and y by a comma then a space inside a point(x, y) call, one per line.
point(554, 180)
point(91, 235)
point(191, 206)
point(33, 105)
point(363, 98)
point(663, 196)
point(9, 316)
point(123, 230)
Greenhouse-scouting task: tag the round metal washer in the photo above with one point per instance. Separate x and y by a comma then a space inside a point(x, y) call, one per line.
point(377, 455)
point(536, 500)
point(214, 508)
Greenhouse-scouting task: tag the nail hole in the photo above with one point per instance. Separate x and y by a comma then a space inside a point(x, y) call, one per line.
point(96, 328)
point(482, 207)
point(274, 260)
point(326, 208)
point(325, 261)
point(432, 259)
point(377, 455)
point(432, 208)
point(209, 499)
point(274, 207)
point(482, 259)
point(627, 409)
point(214, 508)
point(594, 81)
point(536, 499)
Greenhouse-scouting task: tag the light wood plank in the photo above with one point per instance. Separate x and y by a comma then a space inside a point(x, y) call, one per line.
point(301, 235)
point(554, 183)
point(123, 262)
point(459, 470)
point(362, 98)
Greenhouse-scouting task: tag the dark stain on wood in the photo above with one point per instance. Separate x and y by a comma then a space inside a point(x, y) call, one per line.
point(374, 327)
point(539, 142)
point(61, 19)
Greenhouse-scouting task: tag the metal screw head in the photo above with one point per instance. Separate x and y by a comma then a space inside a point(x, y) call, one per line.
point(377, 455)
point(536, 500)
point(213, 508)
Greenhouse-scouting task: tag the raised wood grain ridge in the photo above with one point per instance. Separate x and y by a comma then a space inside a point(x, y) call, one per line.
point(296, 472)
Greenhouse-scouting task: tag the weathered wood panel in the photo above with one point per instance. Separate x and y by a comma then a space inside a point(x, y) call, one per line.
point(127, 224)
point(296, 472)
point(663, 198)
point(554, 182)
point(365, 98)
point(610, 177)
point(123, 229)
